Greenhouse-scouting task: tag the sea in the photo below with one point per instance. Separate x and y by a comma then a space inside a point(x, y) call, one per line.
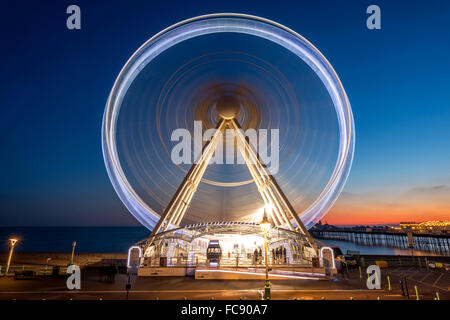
point(119, 240)
point(60, 239)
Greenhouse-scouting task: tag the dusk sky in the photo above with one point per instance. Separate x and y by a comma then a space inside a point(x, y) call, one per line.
point(55, 83)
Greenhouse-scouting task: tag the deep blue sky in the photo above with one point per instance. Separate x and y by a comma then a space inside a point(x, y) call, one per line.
point(55, 83)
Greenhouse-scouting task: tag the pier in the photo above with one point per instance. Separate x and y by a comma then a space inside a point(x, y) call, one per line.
point(437, 243)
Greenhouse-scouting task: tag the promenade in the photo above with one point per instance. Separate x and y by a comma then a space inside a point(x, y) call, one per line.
point(95, 285)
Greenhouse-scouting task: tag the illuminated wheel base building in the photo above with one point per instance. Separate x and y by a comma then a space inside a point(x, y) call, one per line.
point(184, 251)
point(238, 242)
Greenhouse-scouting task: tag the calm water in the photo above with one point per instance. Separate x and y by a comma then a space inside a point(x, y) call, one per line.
point(119, 239)
point(59, 239)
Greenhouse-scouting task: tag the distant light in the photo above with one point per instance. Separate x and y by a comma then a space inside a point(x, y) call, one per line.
point(13, 241)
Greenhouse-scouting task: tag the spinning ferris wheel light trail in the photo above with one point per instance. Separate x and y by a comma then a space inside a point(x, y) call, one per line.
point(264, 97)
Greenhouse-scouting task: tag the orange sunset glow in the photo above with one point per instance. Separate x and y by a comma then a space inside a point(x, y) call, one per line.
point(417, 205)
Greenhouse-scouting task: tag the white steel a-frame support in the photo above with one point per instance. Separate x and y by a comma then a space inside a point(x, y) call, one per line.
point(282, 213)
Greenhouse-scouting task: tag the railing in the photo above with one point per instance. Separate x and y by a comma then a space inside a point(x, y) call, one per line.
point(401, 261)
point(225, 262)
point(432, 243)
point(38, 270)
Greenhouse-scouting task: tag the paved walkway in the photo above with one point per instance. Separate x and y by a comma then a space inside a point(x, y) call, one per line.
point(343, 286)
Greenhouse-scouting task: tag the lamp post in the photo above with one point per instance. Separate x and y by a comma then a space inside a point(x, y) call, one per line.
point(73, 250)
point(13, 243)
point(265, 228)
point(46, 266)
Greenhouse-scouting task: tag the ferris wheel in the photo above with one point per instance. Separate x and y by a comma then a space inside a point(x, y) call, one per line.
point(228, 72)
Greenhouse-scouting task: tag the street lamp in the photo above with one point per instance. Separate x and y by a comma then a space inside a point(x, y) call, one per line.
point(265, 228)
point(73, 250)
point(46, 265)
point(12, 243)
